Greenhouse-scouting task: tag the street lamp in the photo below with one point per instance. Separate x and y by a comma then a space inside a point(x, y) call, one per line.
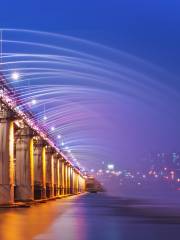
point(34, 101)
point(52, 128)
point(15, 76)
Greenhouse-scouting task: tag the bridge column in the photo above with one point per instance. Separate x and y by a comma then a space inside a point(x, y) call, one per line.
point(56, 175)
point(49, 172)
point(40, 168)
point(65, 179)
point(62, 177)
point(24, 165)
point(67, 170)
point(74, 182)
point(68, 179)
point(71, 180)
point(6, 156)
point(81, 184)
point(77, 183)
point(73, 185)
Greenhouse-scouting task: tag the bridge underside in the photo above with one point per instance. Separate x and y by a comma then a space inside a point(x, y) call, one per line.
point(30, 168)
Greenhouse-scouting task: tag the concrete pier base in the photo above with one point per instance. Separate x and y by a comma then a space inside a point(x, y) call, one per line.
point(24, 190)
point(40, 167)
point(62, 177)
point(43, 196)
point(24, 193)
point(6, 156)
point(6, 194)
point(50, 172)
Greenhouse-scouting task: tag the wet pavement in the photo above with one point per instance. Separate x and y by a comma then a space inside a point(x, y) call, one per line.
point(92, 217)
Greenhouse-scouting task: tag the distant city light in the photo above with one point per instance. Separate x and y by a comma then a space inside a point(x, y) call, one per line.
point(59, 136)
point(110, 166)
point(15, 76)
point(150, 172)
point(62, 144)
point(92, 170)
point(45, 118)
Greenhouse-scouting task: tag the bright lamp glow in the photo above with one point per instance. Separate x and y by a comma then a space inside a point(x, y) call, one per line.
point(52, 128)
point(15, 76)
point(110, 166)
point(45, 118)
point(59, 136)
point(34, 101)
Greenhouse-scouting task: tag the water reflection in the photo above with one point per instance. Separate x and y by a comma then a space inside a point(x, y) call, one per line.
point(92, 217)
point(26, 223)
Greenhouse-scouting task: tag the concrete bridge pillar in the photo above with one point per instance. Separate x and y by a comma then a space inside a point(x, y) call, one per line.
point(56, 175)
point(40, 167)
point(81, 184)
point(24, 164)
point(68, 179)
point(77, 183)
point(49, 172)
point(83, 187)
point(71, 180)
point(6, 156)
point(74, 182)
point(62, 177)
point(65, 179)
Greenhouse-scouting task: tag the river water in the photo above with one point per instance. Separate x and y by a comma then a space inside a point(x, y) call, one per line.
point(91, 217)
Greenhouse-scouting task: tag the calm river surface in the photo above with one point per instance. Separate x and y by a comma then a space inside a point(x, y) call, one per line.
point(91, 217)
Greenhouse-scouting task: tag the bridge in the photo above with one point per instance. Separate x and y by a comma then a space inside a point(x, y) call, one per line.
point(32, 167)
